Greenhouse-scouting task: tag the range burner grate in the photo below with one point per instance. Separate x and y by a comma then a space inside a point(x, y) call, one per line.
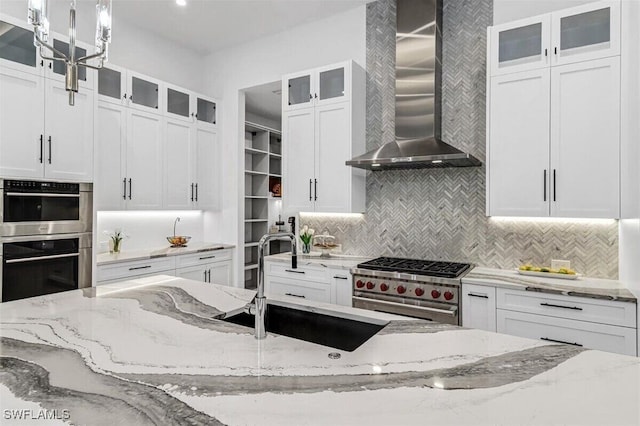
point(416, 266)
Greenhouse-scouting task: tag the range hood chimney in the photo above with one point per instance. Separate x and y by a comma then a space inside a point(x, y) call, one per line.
point(418, 96)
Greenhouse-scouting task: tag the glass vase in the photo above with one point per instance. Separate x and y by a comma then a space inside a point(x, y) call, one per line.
point(306, 248)
point(117, 244)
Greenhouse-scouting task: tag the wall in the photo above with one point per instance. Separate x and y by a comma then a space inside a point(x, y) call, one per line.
point(130, 48)
point(337, 38)
point(510, 10)
point(440, 213)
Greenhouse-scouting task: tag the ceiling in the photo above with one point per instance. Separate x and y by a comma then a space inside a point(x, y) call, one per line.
point(209, 25)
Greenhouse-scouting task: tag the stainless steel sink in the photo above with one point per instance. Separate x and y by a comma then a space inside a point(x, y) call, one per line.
point(327, 330)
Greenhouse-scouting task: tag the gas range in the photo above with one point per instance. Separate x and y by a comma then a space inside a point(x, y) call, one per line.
point(412, 287)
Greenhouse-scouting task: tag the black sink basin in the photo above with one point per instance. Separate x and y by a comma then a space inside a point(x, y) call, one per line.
point(327, 330)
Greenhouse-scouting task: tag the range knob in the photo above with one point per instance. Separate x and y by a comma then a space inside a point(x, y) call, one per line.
point(384, 287)
point(448, 295)
point(435, 294)
point(370, 285)
point(401, 289)
point(359, 283)
point(419, 292)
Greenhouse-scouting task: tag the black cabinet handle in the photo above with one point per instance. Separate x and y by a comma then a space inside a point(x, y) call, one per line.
point(551, 305)
point(196, 192)
point(41, 148)
point(315, 190)
point(483, 296)
point(296, 272)
point(205, 276)
point(554, 184)
point(192, 192)
point(42, 62)
point(560, 341)
point(124, 188)
point(310, 96)
point(49, 149)
point(124, 97)
point(209, 276)
point(310, 198)
point(140, 267)
point(130, 188)
point(295, 295)
point(555, 50)
point(50, 65)
point(544, 185)
point(545, 52)
point(316, 95)
point(340, 278)
point(207, 257)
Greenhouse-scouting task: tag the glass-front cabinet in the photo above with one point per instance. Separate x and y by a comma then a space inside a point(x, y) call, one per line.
point(206, 111)
point(582, 33)
point(144, 92)
point(56, 69)
point(112, 84)
point(321, 86)
point(16, 47)
point(179, 103)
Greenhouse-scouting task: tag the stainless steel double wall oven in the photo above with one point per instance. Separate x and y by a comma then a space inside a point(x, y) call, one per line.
point(45, 237)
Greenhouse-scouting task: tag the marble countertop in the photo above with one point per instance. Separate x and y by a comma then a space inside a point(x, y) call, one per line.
point(151, 351)
point(334, 261)
point(125, 256)
point(583, 286)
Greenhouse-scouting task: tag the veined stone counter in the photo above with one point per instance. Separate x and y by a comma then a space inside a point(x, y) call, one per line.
point(334, 261)
point(152, 351)
point(125, 256)
point(583, 286)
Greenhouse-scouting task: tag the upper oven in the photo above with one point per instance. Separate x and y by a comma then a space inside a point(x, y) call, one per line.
point(41, 208)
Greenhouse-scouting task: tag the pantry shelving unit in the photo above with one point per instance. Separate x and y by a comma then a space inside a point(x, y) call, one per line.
point(262, 174)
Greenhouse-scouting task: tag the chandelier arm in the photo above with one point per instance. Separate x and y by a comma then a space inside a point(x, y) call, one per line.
point(93, 67)
point(89, 57)
point(53, 49)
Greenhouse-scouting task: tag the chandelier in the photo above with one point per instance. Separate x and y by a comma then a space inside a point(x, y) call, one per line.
point(38, 17)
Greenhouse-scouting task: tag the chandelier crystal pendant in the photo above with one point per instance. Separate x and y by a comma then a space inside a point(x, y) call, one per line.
point(38, 17)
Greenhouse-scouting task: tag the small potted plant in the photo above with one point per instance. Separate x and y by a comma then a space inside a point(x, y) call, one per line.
point(115, 240)
point(306, 235)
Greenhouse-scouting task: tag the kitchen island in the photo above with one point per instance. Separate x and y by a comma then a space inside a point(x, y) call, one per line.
point(154, 351)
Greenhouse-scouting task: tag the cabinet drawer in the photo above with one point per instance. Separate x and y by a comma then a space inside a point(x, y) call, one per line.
point(570, 307)
point(117, 280)
point(478, 307)
point(300, 289)
point(202, 258)
point(608, 338)
point(303, 273)
point(135, 268)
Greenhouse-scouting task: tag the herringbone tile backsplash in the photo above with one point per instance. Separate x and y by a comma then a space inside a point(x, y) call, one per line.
point(440, 213)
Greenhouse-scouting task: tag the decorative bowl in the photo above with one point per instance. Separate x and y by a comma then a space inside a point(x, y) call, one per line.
point(178, 240)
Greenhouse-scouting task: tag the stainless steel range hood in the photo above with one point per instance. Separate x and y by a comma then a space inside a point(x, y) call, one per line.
point(418, 96)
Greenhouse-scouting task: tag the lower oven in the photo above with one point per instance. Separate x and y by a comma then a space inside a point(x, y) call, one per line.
point(39, 265)
point(430, 311)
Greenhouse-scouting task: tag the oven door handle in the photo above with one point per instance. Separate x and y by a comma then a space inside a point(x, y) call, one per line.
point(41, 194)
point(34, 259)
point(453, 311)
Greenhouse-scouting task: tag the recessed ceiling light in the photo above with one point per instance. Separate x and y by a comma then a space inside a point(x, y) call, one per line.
point(181, 2)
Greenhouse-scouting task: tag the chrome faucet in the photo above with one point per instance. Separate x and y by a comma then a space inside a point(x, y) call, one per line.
point(259, 304)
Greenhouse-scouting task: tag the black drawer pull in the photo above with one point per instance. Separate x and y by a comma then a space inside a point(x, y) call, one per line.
point(560, 341)
point(340, 278)
point(297, 272)
point(207, 257)
point(294, 295)
point(483, 296)
point(551, 305)
point(140, 267)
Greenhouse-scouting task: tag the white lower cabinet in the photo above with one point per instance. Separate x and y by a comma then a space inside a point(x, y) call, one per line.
point(134, 269)
point(479, 307)
point(315, 283)
point(591, 323)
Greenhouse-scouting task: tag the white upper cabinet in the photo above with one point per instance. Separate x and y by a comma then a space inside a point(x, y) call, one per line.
point(519, 46)
point(56, 69)
point(319, 138)
point(16, 47)
point(144, 93)
point(112, 85)
point(321, 86)
point(585, 139)
point(207, 164)
point(206, 111)
point(179, 103)
point(586, 32)
point(110, 183)
point(178, 160)
point(582, 33)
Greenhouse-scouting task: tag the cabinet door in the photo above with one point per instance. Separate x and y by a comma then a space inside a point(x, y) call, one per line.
point(206, 111)
point(518, 144)
point(178, 160)
point(585, 139)
point(196, 273)
point(178, 103)
point(333, 84)
point(207, 163)
point(220, 273)
point(341, 282)
point(21, 124)
point(16, 47)
point(519, 46)
point(297, 91)
point(298, 174)
point(587, 32)
point(320, 292)
point(69, 133)
point(109, 183)
point(112, 85)
point(144, 93)
point(56, 70)
point(144, 160)
point(479, 307)
point(332, 192)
